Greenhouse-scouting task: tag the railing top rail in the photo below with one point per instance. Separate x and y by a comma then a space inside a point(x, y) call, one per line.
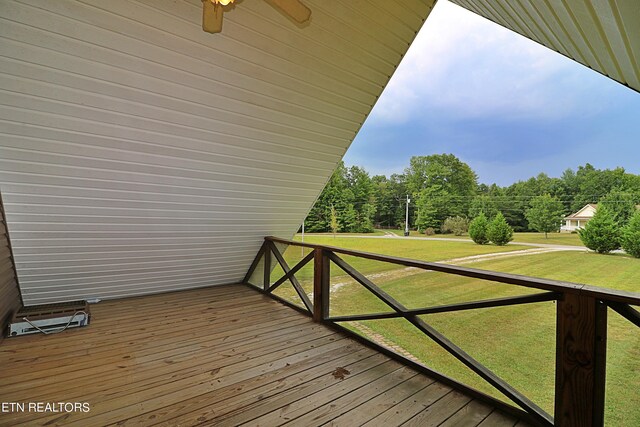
point(508, 278)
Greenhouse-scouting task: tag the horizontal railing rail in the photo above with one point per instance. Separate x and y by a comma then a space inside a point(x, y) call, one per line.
point(581, 323)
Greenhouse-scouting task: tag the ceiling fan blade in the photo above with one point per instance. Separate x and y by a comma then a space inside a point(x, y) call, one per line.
point(211, 16)
point(294, 8)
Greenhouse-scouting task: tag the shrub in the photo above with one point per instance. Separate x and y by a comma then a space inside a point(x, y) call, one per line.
point(631, 236)
point(601, 233)
point(498, 231)
point(478, 229)
point(456, 225)
point(429, 231)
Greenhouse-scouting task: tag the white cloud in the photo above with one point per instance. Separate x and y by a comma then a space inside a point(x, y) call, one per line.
point(463, 63)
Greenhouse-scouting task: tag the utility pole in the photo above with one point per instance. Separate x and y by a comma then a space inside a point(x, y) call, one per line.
point(406, 220)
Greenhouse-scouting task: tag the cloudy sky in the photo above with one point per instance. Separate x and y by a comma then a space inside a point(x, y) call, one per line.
point(507, 106)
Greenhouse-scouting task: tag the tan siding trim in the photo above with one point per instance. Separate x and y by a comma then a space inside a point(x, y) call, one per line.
point(10, 298)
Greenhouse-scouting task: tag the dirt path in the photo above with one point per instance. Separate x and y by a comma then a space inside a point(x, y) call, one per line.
point(391, 235)
point(410, 271)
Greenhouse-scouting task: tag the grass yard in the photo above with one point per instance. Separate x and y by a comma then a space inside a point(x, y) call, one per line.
point(517, 342)
point(565, 239)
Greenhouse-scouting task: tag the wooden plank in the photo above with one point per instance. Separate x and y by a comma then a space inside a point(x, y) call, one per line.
point(372, 287)
point(498, 419)
point(449, 346)
point(287, 379)
point(321, 285)
point(100, 334)
point(254, 264)
point(383, 402)
point(209, 367)
point(69, 368)
point(471, 414)
point(248, 369)
point(266, 279)
point(189, 372)
point(105, 411)
point(513, 279)
point(411, 406)
point(294, 281)
point(471, 305)
point(337, 406)
point(440, 411)
point(626, 311)
point(330, 388)
point(580, 365)
point(291, 272)
point(485, 373)
point(131, 367)
point(33, 361)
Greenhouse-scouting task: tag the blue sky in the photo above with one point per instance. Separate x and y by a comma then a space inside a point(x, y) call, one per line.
point(507, 106)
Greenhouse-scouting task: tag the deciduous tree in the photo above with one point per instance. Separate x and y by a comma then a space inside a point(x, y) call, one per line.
point(545, 214)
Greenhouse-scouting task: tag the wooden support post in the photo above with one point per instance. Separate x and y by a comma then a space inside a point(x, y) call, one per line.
point(267, 268)
point(580, 361)
point(321, 276)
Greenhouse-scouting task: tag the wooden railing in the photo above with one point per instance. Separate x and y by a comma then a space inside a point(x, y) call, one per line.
point(581, 325)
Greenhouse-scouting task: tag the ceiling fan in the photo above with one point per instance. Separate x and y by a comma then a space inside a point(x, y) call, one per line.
point(212, 11)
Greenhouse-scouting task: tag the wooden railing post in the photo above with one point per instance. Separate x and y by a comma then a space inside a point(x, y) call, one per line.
point(266, 281)
point(321, 275)
point(580, 361)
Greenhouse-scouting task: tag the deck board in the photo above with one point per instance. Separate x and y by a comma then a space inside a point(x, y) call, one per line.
point(222, 356)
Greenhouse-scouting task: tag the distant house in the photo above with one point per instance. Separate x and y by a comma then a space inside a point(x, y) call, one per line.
point(578, 220)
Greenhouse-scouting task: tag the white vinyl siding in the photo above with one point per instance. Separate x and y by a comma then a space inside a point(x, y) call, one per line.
point(139, 154)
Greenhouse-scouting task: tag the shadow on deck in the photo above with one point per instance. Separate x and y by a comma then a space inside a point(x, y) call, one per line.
point(225, 356)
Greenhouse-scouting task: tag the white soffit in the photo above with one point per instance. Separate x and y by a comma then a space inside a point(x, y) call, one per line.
point(601, 34)
point(139, 154)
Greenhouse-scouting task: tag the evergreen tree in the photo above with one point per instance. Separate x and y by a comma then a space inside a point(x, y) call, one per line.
point(545, 214)
point(601, 233)
point(631, 236)
point(478, 229)
point(498, 231)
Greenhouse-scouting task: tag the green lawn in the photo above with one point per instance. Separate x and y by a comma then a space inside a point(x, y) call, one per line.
point(566, 239)
point(517, 342)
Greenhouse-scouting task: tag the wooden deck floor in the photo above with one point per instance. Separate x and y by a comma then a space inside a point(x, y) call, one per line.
point(221, 356)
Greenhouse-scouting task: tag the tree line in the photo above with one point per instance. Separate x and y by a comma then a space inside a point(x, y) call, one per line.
point(441, 186)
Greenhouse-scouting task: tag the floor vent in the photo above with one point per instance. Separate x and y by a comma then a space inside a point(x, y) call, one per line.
point(49, 318)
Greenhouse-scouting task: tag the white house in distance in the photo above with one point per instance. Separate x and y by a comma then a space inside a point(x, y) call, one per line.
point(578, 220)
